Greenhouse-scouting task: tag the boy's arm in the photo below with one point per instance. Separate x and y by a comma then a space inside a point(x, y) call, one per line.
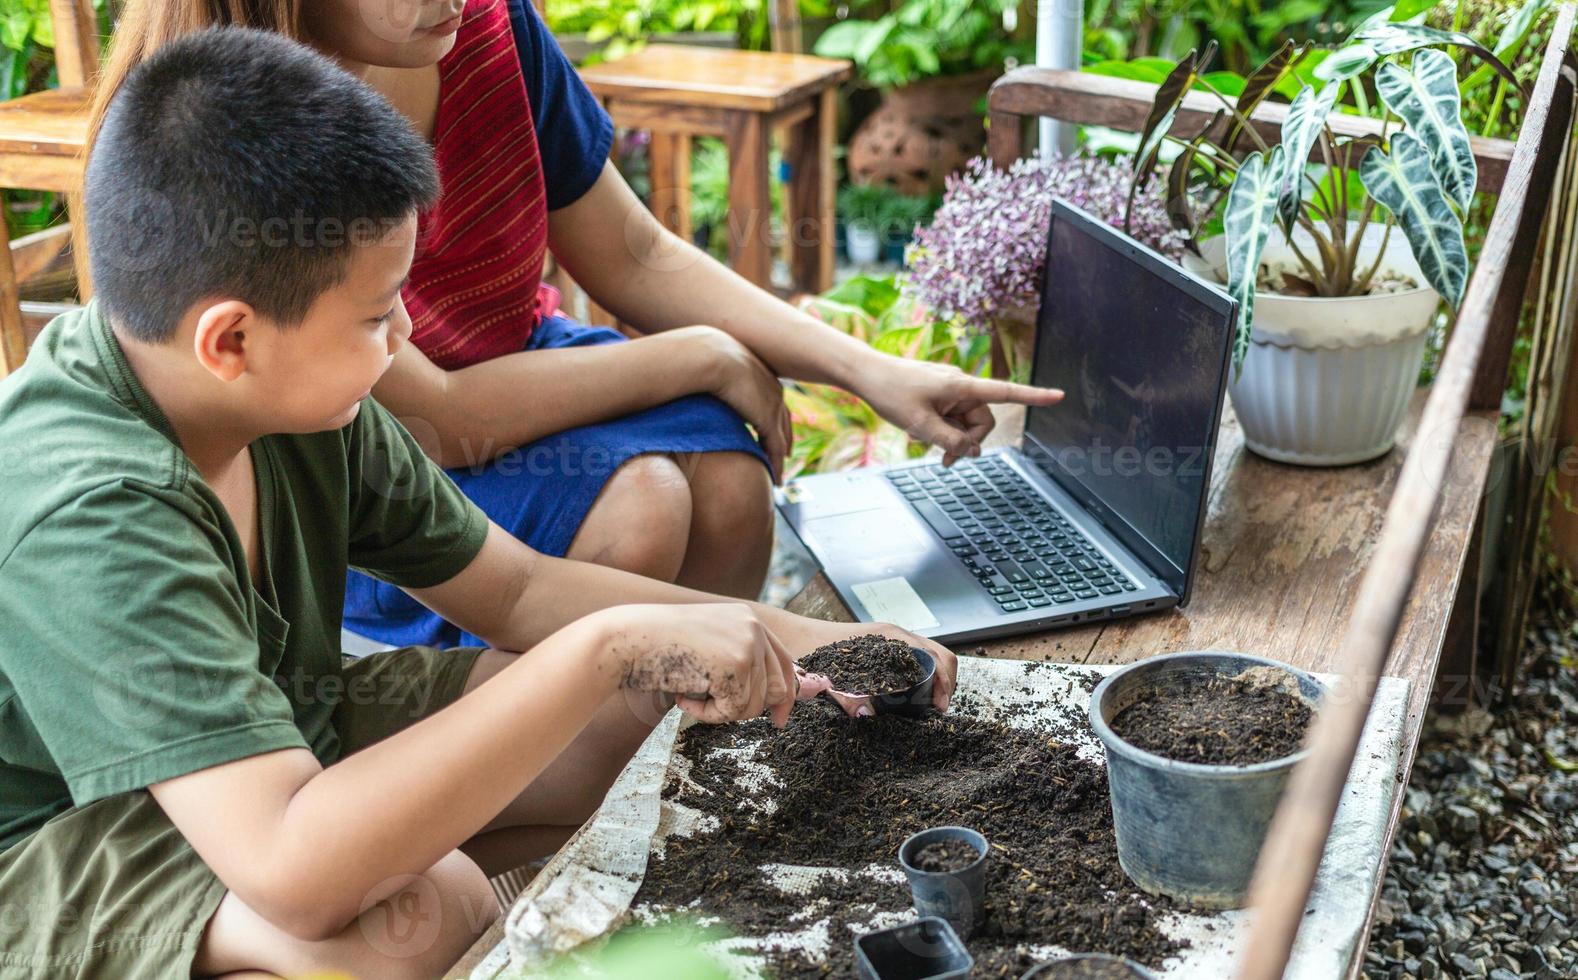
point(310, 848)
point(513, 596)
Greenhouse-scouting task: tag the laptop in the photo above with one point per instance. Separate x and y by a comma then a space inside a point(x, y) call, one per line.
point(1096, 513)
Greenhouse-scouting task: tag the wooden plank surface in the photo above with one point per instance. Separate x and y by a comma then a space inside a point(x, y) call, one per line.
point(1098, 100)
point(1284, 548)
point(1282, 553)
point(756, 81)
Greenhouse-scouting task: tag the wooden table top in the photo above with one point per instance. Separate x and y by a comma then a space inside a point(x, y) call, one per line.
point(1283, 551)
point(758, 81)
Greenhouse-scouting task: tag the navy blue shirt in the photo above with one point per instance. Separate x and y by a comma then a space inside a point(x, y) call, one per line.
point(574, 134)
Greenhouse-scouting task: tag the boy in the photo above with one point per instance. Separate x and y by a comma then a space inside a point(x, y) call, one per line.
point(190, 781)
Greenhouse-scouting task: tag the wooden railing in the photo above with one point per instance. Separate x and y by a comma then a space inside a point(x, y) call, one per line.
point(1529, 176)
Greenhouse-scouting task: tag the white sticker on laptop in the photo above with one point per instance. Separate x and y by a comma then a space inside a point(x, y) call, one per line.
point(894, 600)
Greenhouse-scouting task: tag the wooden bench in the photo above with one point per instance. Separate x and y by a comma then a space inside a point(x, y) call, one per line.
point(1353, 568)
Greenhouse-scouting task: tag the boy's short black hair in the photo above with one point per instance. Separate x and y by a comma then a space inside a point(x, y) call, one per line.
point(235, 163)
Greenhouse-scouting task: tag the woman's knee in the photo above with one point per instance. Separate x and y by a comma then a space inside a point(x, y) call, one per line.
point(731, 534)
point(640, 521)
point(732, 496)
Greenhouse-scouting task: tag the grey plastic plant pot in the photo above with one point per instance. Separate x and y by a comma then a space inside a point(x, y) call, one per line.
point(926, 949)
point(957, 896)
point(1089, 966)
point(914, 701)
point(1186, 830)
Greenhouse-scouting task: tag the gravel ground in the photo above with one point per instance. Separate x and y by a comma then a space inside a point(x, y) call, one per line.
point(1483, 880)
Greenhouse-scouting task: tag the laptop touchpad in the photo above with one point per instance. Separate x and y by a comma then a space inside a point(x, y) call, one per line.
point(867, 535)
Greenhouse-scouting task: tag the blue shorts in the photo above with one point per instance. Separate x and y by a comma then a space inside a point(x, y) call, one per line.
point(541, 492)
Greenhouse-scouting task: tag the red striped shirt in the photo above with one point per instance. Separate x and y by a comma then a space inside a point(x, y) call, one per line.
point(480, 250)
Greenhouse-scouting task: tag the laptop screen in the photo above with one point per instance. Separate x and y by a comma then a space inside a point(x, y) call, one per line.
point(1140, 349)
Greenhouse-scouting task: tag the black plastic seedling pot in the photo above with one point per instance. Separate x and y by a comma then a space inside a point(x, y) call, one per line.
point(1089, 966)
point(957, 896)
point(926, 949)
point(1187, 830)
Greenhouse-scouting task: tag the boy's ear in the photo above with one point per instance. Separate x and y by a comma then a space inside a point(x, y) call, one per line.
point(223, 338)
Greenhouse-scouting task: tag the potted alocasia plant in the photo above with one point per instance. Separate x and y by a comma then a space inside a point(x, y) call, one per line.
point(1339, 248)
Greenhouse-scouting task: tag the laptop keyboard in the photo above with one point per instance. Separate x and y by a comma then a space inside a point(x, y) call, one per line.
point(1015, 542)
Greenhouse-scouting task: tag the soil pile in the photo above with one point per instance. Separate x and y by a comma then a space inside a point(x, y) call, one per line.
point(869, 664)
point(851, 790)
point(1219, 721)
point(948, 854)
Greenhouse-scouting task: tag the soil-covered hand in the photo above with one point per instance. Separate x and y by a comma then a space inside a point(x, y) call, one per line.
point(720, 660)
point(740, 379)
point(941, 404)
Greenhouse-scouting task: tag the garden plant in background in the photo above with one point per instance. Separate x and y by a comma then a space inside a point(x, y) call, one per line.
point(1335, 308)
point(615, 28)
point(932, 60)
point(878, 221)
point(834, 430)
point(981, 262)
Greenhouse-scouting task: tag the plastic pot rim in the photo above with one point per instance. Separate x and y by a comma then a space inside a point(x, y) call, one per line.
point(1113, 743)
point(962, 833)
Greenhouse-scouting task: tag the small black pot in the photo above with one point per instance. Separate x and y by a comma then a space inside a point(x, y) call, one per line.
point(957, 896)
point(926, 949)
point(1075, 967)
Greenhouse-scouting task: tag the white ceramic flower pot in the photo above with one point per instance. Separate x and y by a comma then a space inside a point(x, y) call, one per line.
point(1327, 381)
point(864, 244)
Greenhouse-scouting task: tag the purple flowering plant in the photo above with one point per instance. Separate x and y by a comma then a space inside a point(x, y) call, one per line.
point(983, 255)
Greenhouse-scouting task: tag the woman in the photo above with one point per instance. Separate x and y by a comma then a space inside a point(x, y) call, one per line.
point(630, 454)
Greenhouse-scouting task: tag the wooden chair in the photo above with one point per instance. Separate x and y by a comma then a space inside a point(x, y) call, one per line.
point(678, 92)
point(43, 140)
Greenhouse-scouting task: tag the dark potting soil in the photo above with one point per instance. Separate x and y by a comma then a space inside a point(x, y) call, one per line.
point(948, 854)
point(1219, 721)
point(851, 790)
point(868, 664)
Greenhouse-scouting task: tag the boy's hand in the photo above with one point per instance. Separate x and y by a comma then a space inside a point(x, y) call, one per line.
point(720, 660)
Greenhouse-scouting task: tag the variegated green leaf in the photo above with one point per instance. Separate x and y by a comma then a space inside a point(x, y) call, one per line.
point(1425, 96)
point(1390, 39)
point(1405, 182)
point(1305, 119)
point(1250, 214)
point(1346, 62)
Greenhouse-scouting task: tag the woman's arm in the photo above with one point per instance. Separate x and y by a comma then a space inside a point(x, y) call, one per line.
point(473, 414)
point(654, 280)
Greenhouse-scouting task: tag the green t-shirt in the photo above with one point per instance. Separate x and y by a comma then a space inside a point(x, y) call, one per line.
point(134, 646)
